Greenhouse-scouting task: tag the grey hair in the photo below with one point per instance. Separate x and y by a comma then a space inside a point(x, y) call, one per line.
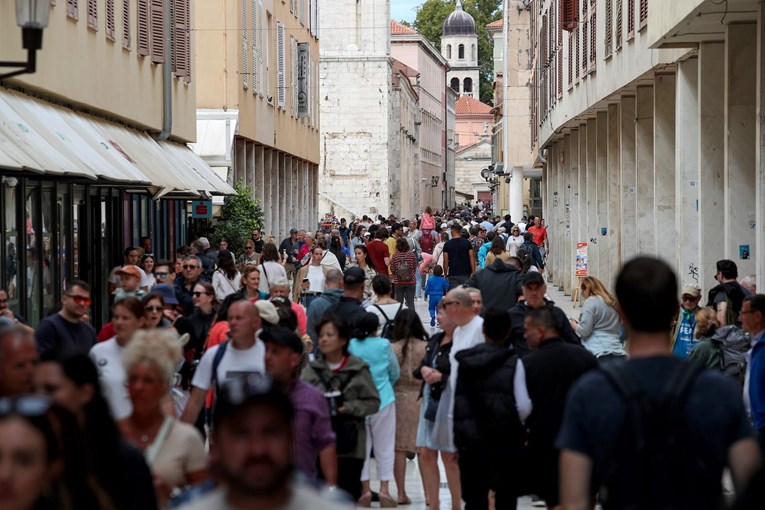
point(193, 257)
point(462, 296)
point(160, 347)
point(334, 275)
point(749, 283)
point(279, 281)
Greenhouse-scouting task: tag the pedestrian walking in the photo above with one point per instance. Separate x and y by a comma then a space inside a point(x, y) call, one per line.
point(403, 270)
point(435, 289)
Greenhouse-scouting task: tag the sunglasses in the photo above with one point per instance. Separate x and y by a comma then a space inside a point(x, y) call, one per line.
point(161, 275)
point(249, 247)
point(197, 294)
point(153, 308)
point(80, 300)
point(29, 405)
point(189, 266)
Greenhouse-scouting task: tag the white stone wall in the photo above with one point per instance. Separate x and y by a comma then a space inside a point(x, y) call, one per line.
point(467, 168)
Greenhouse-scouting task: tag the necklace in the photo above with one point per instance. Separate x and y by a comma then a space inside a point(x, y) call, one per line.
point(144, 438)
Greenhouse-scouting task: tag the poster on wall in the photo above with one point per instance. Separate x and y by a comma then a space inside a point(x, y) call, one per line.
point(581, 260)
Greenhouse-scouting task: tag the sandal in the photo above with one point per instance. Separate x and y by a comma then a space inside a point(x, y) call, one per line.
point(406, 501)
point(365, 501)
point(387, 501)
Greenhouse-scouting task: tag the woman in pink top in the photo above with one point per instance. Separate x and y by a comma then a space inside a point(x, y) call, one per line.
point(428, 221)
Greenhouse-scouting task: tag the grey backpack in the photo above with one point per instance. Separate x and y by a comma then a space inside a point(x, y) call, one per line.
point(732, 343)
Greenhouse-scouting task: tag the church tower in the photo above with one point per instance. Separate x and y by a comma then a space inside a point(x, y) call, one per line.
point(459, 46)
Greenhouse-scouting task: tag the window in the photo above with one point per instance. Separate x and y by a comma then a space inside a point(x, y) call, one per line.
point(158, 31)
point(461, 52)
point(455, 84)
point(467, 86)
point(593, 36)
point(267, 58)
point(630, 19)
point(570, 59)
point(110, 20)
point(314, 6)
point(609, 39)
point(72, 9)
point(448, 51)
point(93, 14)
point(255, 18)
point(182, 39)
point(126, 24)
point(245, 47)
point(576, 54)
point(142, 15)
point(644, 13)
point(618, 32)
point(570, 15)
point(281, 57)
point(585, 38)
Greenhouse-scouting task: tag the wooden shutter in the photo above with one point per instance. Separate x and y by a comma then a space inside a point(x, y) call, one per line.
point(72, 9)
point(314, 17)
point(618, 31)
point(261, 48)
point(93, 14)
point(245, 46)
point(643, 13)
point(110, 20)
point(182, 39)
point(609, 39)
point(585, 38)
point(570, 59)
point(281, 86)
point(630, 19)
point(576, 53)
point(157, 31)
point(255, 74)
point(142, 17)
point(593, 36)
point(126, 24)
point(569, 14)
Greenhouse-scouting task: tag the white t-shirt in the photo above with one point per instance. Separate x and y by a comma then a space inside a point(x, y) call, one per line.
point(234, 364)
point(302, 497)
point(145, 281)
point(107, 357)
point(317, 281)
point(270, 272)
point(390, 309)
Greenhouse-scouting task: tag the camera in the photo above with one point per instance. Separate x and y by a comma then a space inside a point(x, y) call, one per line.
point(334, 401)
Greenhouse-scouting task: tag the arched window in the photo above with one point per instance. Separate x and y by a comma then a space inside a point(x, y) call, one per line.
point(467, 86)
point(461, 52)
point(456, 85)
point(473, 55)
point(448, 51)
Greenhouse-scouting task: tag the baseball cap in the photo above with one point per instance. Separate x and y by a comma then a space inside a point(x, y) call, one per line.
point(129, 270)
point(167, 293)
point(284, 337)
point(533, 277)
point(267, 311)
point(354, 275)
point(254, 389)
point(691, 290)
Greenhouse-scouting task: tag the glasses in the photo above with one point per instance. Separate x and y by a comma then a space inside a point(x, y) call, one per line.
point(197, 294)
point(447, 303)
point(80, 300)
point(190, 266)
point(30, 405)
point(161, 275)
point(688, 297)
point(153, 308)
point(249, 247)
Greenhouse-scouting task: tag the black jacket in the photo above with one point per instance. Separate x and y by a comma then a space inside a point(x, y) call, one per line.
point(536, 255)
point(440, 353)
point(499, 283)
point(518, 313)
point(349, 309)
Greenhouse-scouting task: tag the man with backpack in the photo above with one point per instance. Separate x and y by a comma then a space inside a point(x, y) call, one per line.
point(753, 320)
point(726, 297)
point(654, 431)
point(500, 283)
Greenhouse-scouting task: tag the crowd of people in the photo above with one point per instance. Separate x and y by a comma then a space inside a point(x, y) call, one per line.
point(279, 377)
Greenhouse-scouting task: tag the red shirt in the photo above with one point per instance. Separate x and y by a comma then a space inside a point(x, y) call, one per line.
point(540, 234)
point(378, 251)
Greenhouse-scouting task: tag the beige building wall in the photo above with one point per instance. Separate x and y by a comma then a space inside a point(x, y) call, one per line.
point(82, 67)
point(471, 129)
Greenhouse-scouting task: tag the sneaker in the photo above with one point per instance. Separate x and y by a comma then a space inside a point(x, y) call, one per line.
point(432, 322)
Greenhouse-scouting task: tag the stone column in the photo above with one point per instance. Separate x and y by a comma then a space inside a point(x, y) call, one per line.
point(687, 171)
point(740, 144)
point(601, 205)
point(251, 168)
point(516, 194)
point(259, 175)
point(592, 230)
point(711, 159)
point(614, 195)
point(574, 205)
point(759, 248)
point(582, 201)
point(560, 201)
point(292, 219)
point(628, 189)
point(240, 160)
point(267, 192)
point(664, 167)
point(565, 249)
point(645, 178)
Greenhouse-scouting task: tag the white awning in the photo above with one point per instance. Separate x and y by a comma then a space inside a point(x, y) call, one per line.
point(215, 134)
point(41, 137)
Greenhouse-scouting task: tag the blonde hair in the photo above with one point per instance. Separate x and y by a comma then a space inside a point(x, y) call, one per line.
point(706, 323)
point(161, 347)
point(595, 288)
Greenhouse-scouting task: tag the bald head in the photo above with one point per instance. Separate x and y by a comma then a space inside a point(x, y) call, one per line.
point(334, 279)
point(244, 321)
point(18, 357)
point(459, 305)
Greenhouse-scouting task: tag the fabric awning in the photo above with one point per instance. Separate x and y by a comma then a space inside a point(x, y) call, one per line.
point(40, 137)
point(215, 134)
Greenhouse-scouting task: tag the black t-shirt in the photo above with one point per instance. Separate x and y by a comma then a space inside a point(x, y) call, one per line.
point(458, 250)
point(595, 411)
point(55, 332)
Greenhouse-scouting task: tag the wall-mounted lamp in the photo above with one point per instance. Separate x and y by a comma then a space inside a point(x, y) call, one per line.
point(32, 18)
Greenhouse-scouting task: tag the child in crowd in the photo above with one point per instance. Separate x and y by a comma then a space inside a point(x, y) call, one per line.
point(435, 289)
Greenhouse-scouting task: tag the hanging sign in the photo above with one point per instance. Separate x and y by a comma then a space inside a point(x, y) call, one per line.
point(304, 61)
point(201, 209)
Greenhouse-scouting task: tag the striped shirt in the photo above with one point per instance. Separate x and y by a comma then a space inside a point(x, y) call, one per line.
point(311, 428)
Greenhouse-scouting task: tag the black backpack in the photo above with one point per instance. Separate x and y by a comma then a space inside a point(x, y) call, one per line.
point(654, 462)
point(387, 329)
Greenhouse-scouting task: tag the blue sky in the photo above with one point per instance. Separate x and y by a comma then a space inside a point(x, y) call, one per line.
point(404, 9)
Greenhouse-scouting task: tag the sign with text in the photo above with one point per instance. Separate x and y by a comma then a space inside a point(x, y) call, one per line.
point(581, 260)
point(303, 71)
point(201, 209)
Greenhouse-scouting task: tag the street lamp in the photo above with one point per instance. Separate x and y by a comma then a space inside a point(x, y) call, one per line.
point(32, 17)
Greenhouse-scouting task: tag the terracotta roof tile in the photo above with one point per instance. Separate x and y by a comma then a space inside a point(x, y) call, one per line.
point(397, 28)
point(496, 24)
point(466, 105)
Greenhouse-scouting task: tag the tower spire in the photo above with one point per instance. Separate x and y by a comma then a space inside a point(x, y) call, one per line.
point(459, 5)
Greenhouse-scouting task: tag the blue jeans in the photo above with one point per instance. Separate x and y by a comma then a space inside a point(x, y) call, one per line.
point(418, 283)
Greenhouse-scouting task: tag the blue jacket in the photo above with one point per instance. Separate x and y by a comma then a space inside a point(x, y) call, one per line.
point(383, 365)
point(757, 381)
point(436, 287)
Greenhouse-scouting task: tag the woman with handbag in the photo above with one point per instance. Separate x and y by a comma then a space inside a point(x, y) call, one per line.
point(434, 370)
point(351, 396)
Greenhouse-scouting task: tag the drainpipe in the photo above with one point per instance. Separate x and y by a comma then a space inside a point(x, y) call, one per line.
point(167, 79)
